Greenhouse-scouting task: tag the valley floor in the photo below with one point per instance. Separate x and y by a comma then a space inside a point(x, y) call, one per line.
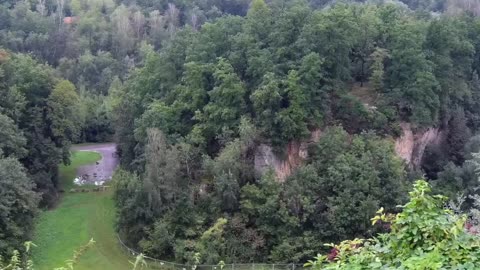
point(78, 218)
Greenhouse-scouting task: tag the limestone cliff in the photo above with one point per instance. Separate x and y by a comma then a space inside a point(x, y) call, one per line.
point(283, 165)
point(412, 144)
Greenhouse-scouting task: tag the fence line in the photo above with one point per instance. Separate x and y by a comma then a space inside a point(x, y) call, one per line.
point(233, 266)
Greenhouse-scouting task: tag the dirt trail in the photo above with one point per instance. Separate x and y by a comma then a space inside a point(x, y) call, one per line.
point(104, 168)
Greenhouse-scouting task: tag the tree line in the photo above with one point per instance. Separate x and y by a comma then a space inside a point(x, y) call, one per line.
point(39, 120)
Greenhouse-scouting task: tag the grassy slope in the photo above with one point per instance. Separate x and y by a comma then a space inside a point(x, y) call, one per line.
point(78, 218)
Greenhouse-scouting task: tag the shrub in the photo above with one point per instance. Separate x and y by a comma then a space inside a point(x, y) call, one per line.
point(425, 235)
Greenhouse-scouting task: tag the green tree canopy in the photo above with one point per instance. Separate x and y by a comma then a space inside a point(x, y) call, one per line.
point(18, 202)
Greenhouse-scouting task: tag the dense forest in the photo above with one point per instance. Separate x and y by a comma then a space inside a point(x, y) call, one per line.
point(190, 122)
point(196, 93)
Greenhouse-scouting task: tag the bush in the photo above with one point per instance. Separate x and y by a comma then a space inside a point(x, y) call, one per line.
point(423, 236)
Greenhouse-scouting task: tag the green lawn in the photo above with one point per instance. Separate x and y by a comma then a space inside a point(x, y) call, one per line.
point(78, 218)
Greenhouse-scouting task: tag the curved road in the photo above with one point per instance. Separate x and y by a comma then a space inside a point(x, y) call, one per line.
point(104, 168)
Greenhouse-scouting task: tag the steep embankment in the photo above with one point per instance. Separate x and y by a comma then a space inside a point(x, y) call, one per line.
point(410, 146)
point(296, 152)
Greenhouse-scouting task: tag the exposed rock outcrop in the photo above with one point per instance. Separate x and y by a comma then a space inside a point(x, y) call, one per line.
point(284, 165)
point(411, 145)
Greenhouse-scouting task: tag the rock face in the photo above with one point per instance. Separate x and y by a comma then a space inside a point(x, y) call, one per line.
point(411, 145)
point(283, 165)
point(266, 158)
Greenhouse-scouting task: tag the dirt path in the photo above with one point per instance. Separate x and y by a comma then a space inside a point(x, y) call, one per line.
point(104, 168)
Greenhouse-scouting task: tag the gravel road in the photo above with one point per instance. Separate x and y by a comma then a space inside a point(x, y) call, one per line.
point(104, 168)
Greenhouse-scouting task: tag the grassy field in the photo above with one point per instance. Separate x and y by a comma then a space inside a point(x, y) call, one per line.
point(78, 218)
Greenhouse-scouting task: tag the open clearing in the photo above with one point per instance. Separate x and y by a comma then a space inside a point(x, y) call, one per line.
point(78, 218)
point(104, 168)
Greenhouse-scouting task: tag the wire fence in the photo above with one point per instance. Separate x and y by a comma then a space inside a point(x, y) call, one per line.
point(154, 263)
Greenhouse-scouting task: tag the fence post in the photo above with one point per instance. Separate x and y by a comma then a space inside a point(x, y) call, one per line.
point(273, 266)
point(253, 266)
point(293, 266)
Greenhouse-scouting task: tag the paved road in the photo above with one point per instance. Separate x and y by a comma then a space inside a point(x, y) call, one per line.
point(104, 168)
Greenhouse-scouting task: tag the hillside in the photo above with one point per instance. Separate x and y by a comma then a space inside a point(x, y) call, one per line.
point(246, 131)
point(347, 104)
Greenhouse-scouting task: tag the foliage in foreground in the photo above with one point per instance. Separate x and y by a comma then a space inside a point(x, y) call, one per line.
point(20, 261)
point(423, 236)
